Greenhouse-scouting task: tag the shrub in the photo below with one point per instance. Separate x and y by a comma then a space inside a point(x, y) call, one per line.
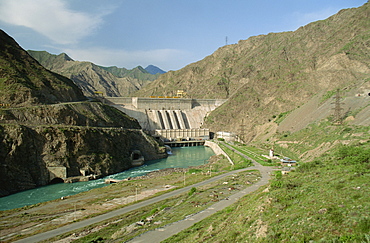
point(276, 184)
point(353, 155)
point(194, 170)
point(192, 191)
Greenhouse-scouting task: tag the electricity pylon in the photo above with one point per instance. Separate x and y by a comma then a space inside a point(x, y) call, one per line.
point(337, 109)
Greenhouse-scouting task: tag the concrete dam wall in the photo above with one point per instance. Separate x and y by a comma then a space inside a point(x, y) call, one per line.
point(170, 118)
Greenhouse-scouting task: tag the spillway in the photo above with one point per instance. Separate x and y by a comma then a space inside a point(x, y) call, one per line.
point(174, 120)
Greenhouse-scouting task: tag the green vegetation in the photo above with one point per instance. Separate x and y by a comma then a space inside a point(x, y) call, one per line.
point(281, 117)
point(327, 96)
point(255, 154)
point(316, 138)
point(127, 226)
point(192, 191)
point(326, 200)
point(238, 160)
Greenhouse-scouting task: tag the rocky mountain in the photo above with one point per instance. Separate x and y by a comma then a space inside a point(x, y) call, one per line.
point(268, 76)
point(46, 123)
point(154, 70)
point(111, 81)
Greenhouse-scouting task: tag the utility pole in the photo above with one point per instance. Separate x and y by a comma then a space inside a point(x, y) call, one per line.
point(337, 109)
point(226, 40)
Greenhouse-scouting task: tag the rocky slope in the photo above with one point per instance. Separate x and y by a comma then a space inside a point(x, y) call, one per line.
point(24, 82)
point(44, 124)
point(112, 81)
point(268, 75)
point(27, 152)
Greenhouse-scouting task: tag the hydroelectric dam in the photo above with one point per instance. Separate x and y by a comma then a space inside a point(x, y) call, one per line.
point(177, 121)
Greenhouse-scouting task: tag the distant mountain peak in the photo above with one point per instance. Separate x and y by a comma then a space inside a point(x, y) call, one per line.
point(154, 70)
point(65, 57)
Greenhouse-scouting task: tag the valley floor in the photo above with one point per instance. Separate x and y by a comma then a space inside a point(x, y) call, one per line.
point(55, 218)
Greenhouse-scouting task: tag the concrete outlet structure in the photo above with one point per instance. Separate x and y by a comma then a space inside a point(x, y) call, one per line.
point(57, 173)
point(175, 120)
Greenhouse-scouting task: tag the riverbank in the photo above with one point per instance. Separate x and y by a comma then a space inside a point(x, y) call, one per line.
point(181, 157)
point(27, 221)
point(56, 213)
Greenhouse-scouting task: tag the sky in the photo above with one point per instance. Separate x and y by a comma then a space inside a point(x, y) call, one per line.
point(169, 34)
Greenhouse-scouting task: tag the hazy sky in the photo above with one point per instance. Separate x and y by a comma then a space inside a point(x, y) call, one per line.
point(167, 33)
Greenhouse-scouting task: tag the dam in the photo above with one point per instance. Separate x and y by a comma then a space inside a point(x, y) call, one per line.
point(176, 121)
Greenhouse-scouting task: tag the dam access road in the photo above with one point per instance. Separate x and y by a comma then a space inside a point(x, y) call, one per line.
point(171, 229)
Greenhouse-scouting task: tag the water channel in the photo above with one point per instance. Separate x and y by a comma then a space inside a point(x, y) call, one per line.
point(181, 157)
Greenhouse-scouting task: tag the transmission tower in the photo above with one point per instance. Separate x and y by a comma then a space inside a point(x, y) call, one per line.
point(242, 131)
point(226, 40)
point(337, 109)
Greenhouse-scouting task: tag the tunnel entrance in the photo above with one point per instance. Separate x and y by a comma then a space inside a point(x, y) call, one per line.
point(56, 180)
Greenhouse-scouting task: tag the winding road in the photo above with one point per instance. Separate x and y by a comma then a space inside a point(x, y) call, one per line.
point(171, 229)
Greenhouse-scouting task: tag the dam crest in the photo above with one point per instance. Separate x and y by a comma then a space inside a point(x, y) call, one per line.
point(177, 121)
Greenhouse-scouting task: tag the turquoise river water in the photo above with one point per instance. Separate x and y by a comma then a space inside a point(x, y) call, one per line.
point(180, 158)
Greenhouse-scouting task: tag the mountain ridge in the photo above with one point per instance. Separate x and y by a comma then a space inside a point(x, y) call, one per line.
point(111, 81)
point(154, 70)
point(268, 75)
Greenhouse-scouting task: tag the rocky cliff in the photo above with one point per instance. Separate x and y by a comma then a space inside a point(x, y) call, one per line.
point(46, 125)
point(27, 153)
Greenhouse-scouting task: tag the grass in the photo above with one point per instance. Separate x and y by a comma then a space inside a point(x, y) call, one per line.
point(255, 154)
point(126, 226)
point(94, 200)
point(238, 160)
point(317, 138)
point(326, 200)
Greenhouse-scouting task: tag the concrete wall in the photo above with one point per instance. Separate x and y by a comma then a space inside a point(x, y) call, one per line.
point(164, 103)
point(57, 172)
point(120, 100)
point(217, 150)
point(190, 113)
point(184, 133)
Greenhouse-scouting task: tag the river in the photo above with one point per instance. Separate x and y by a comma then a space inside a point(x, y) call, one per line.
point(181, 157)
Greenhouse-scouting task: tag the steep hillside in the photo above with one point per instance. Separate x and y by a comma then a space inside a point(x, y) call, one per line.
point(24, 82)
point(112, 81)
point(44, 125)
point(268, 75)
